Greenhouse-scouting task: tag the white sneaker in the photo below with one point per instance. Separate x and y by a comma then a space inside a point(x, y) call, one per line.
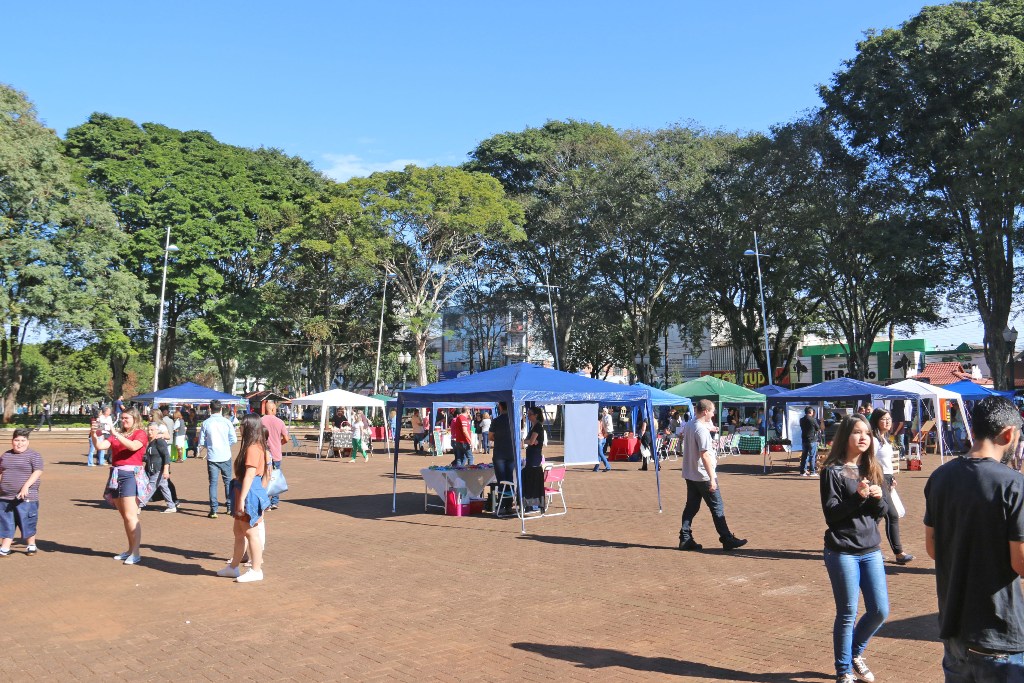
point(168, 511)
point(250, 576)
point(229, 571)
point(133, 559)
point(121, 557)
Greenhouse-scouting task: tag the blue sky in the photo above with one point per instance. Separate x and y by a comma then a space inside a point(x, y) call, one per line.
point(357, 87)
point(360, 87)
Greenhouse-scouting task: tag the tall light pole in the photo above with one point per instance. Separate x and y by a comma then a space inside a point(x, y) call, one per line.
point(404, 360)
point(168, 248)
point(551, 311)
point(380, 335)
point(764, 317)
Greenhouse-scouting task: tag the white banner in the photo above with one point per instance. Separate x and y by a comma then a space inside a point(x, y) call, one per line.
point(581, 434)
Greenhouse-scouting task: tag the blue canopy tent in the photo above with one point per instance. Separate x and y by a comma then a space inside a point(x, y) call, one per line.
point(189, 392)
point(515, 385)
point(844, 389)
point(663, 398)
point(971, 391)
point(772, 390)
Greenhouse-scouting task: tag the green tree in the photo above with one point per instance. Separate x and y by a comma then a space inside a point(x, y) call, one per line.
point(433, 224)
point(938, 100)
point(225, 205)
point(58, 251)
point(81, 375)
point(330, 277)
point(554, 172)
point(644, 197)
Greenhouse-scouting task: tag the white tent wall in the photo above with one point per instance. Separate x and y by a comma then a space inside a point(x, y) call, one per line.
point(933, 394)
point(580, 433)
point(336, 398)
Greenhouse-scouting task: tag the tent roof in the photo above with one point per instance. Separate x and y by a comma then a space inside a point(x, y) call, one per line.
point(922, 389)
point(711, 386)
point(843, 388)
point(772, 390)
point(527, 382)
point(336, 398)
point(189, 392)
point(972, 391)
point(663, 398)
point(383, 397)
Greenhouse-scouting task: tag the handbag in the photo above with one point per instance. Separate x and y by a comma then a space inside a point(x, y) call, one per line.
point(645, 452)
point(277, 484)
point(897, 503)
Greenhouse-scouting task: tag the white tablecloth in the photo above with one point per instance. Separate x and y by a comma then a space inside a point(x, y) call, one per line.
point(473, 480)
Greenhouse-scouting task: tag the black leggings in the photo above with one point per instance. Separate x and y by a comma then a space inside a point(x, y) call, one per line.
point(892, 518)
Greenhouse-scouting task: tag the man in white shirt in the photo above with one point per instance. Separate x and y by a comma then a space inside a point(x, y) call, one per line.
point(218, 436)
point(699, 463)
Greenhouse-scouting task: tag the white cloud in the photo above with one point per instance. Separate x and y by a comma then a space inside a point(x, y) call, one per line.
point(341, 167)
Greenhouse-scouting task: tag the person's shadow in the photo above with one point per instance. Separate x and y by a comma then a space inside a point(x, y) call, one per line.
point(601, 658)
point(158, 563)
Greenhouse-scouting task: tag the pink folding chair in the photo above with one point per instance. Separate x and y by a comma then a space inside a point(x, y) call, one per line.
point(553, 479)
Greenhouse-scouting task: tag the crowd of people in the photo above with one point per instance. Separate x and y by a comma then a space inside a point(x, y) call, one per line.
point(974, 507)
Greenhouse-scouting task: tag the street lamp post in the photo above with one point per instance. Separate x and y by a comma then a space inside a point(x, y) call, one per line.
point(404, 359)
point(551, 311)
point(380, 334)
point(755, 252)
point(168, 248)
point(1010, 337)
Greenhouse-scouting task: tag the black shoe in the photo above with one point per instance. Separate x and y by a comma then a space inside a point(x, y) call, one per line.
point(734, 543)
point(690, 545)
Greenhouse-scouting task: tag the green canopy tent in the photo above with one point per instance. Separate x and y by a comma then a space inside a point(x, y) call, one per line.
point(717, 390)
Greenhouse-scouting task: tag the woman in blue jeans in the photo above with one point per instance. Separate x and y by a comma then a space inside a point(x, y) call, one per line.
point(852, 500)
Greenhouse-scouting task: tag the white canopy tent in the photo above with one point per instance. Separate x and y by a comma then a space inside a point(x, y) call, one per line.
point(336, 398)
point(930, 392)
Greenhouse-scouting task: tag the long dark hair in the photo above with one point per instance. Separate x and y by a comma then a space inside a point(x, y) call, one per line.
point(867, 464)
point(253, 433)
point(876, 421)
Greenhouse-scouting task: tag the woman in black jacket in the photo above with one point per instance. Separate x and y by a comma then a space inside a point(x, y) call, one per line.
point(158, 464)
point(853, 502)
point(646, 443)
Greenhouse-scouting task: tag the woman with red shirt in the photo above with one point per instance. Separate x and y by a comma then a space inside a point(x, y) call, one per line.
point(128, 480)
point(252, 473)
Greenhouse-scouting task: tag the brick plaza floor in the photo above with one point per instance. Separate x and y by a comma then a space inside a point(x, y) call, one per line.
point(354, 592)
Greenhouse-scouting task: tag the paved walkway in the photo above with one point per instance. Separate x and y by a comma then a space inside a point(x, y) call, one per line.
point(354, 592)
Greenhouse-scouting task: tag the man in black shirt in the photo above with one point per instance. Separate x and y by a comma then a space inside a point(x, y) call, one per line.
point(974, 530)
point(504, 458)
point(809, 430)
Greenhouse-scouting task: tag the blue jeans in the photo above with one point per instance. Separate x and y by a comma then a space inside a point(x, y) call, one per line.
point(485, 442)
point(852, 575)
point(504, 470)
point(213, 469)
point(601, 458)
point(962, 664)
point(809, 458)
point(99, 455)
point(462, 454)
point(697, 491)
point(274, 500)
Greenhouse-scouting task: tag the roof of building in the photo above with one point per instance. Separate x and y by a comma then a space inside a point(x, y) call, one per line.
point(941, 374)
